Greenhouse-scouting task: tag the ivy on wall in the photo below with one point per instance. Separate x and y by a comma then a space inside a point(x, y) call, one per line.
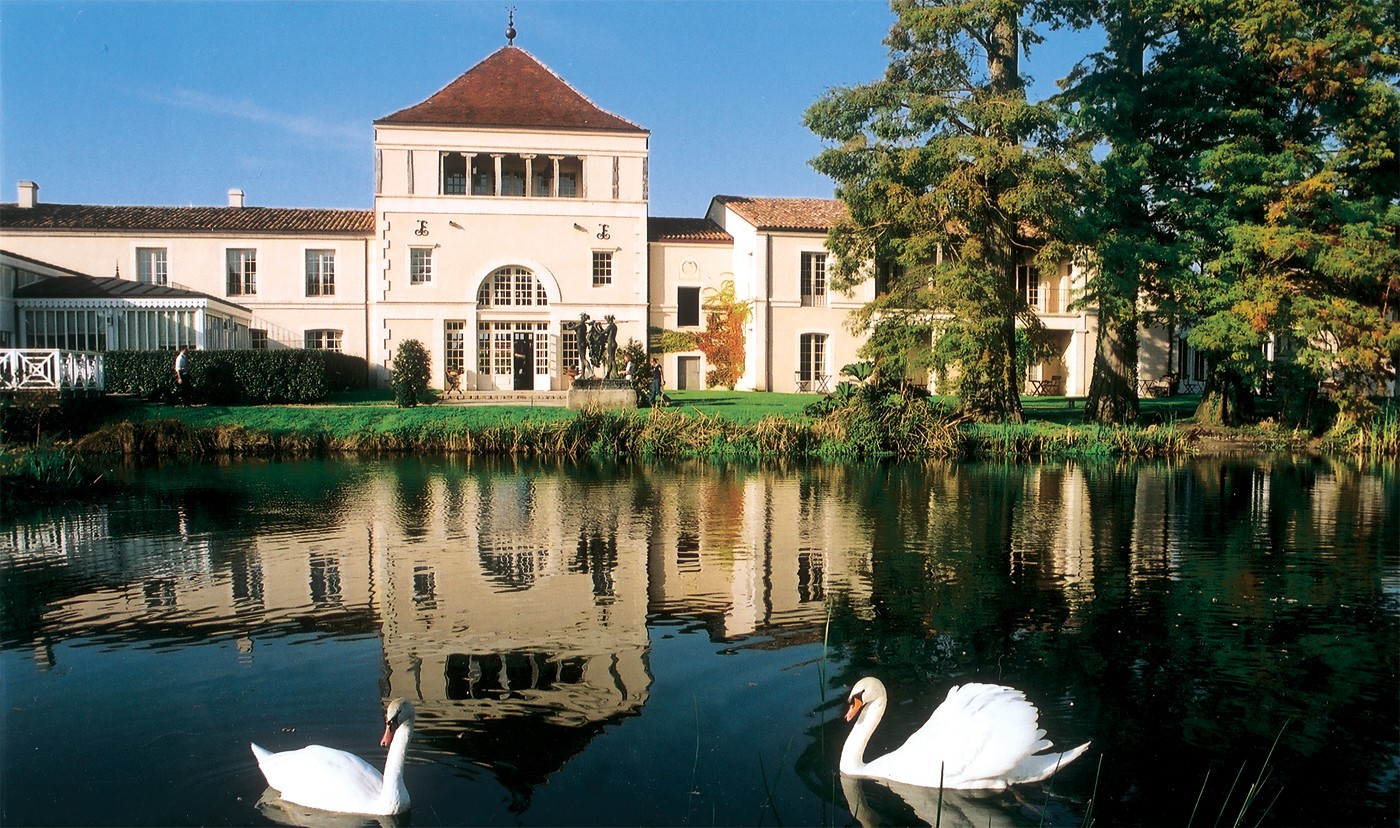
point(722, 342)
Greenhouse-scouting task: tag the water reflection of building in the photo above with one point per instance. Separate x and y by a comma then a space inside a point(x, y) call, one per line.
point(512, 604)
point(753, 553)
point(511, 595)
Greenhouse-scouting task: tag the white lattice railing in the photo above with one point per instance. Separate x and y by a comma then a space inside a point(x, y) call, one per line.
point(30, 369)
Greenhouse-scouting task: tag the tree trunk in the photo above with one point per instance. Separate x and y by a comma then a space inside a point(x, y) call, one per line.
point(1113, 398)
point(1227, 400)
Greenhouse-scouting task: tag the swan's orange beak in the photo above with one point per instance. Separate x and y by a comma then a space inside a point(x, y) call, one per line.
point(388, 735)
point(854, 710)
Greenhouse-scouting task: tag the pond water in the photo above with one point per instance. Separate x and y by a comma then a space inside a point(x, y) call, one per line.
point(672, 645)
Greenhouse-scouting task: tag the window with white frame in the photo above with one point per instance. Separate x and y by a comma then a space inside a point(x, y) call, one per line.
point(1028, 284)
point(454, 173)
point(320, 273)
point(420, 265)
point(602, 268)
point(812, 356)
point(323, 340)
point(150, 266)
point(242, 272)
point(495, 346)
point(257, 339)
point(454, 346)
point(512, 169)
point(813, 279)
point(512, 287)
point(568, 349)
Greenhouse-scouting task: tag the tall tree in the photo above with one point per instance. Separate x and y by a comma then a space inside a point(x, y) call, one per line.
point(1306, 187)
point(1140, 100)
point(952, 179)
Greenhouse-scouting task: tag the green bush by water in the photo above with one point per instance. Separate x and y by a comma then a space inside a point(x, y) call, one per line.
point(248, 377)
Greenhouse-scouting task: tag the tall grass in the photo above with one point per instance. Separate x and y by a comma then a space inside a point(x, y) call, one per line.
point(42, 472)
point(894, 426)
point(1378, 438)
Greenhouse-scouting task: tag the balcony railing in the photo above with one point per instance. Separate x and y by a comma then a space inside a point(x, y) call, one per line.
point(1050, 300)
point(32, 369)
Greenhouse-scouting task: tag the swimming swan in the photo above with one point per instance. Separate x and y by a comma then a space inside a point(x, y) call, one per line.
point(983, 736)
point(333, 780)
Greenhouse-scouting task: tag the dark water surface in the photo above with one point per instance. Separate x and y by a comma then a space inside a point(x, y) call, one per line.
point(597, 645)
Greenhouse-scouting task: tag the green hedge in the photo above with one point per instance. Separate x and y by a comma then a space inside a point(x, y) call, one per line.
point(235, 377)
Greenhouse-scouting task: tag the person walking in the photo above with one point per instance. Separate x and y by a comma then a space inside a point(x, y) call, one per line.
point(655, 382)
point(182, 375)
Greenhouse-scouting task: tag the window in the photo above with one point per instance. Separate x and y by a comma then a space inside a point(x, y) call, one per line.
point(688, 307)
point(150, 265)
point(420, 265)
point(544, 179)
point(568, 349)
point(813, 357)
point(483, 175)
point(570, 174)
point(257, 339)
point(602, 268)
point(540, 176)
point(320, 273)
point(512, 287)
point(454, 346)
point(1028, 284)
point(887, 272)
point(495, 346)
point(242, 272)
point(513, 175)
point(323, 340)
point(813, 279)
point(454, 173)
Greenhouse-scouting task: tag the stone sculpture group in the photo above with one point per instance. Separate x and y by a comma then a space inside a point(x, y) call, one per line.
point(582, 330)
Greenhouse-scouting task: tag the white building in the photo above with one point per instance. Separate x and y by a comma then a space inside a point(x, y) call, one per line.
point(507, 205)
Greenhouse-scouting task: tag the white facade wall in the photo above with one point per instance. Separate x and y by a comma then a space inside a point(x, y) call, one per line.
point(677, 266)
point(281, 306)
point(468, 238)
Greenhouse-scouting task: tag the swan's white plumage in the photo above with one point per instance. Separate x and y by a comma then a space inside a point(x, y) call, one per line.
point(982, 736)
point(334, 780)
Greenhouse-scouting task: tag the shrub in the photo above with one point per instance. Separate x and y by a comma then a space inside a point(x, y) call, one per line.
point(411, 374)
point(292, 375)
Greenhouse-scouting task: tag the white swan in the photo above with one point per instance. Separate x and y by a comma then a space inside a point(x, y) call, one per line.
point(333, 780)
point(983, 736)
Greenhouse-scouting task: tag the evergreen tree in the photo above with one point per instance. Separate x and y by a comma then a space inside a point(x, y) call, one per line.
point(412, 372)
point(1139, 99)
point(1305, 187)
point(952, 179)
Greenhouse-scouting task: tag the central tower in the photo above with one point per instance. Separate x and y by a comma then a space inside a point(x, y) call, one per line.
point(506, 204)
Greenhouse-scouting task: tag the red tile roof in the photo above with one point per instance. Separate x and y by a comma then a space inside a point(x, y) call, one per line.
point(699, 230)
point(238, 220)
point(803, 214)
point(511, 88)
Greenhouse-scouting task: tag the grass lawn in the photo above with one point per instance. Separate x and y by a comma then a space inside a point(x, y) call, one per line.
point(374, 410)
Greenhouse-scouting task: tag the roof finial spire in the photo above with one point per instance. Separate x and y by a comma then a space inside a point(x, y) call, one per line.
point(510, 27)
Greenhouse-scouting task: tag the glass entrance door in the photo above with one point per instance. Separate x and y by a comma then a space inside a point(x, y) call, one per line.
point(523, 361)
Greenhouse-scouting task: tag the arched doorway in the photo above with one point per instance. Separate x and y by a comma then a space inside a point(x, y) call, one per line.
point(512, 330)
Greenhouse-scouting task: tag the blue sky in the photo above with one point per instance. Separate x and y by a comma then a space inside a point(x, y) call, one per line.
point(174, 103)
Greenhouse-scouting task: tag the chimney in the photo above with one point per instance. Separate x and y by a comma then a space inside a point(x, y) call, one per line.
point(28, 194)
point(235, 198)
